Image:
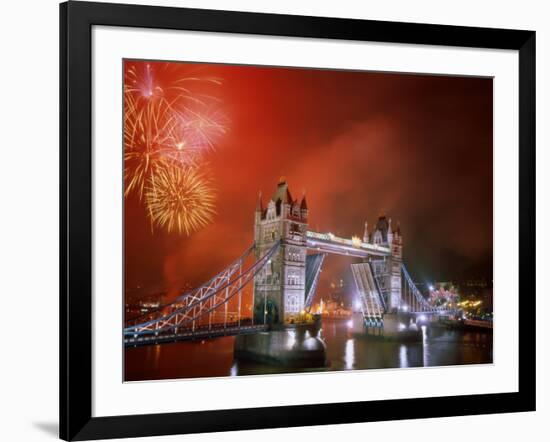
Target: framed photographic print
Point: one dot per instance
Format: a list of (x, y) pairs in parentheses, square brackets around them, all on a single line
[(272, 220)]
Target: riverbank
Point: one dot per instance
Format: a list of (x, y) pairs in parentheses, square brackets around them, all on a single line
[(466, 324)]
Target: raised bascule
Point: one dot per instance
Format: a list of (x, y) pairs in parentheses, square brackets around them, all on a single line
[(288, 260)]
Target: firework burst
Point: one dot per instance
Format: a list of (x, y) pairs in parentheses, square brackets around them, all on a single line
[(146, 134), (180, 200), (191, 135), (202, 129), (168, 129), (164, 125), (139, 79), (153, 81), (156, 136)]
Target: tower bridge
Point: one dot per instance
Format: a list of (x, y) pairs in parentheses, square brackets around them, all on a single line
[(288, 258), (280, 290)]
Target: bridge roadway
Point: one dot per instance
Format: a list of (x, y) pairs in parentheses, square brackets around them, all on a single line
[(330, 243), (202, 332)]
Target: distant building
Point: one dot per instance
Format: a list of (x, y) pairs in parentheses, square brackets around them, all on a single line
[(478, 289)]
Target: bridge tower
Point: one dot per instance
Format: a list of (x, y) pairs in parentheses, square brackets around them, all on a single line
[(279, 288), (388, 270), (394, 263)]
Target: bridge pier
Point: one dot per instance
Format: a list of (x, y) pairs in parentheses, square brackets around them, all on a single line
[(298, 346), (395, 326)]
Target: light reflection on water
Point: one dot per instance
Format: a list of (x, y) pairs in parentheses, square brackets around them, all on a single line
[(344, 351), (403, 361), (350, 354), (425, 346), (291, 339)]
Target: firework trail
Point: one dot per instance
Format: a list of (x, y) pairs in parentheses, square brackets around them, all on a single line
[(181, 200), (139, 79), (147, 82), (145, 132)]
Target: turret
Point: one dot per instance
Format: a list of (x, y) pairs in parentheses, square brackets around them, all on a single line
[(397, 238), (283, 198), (380, 234), (366, 232), (390, 233), (259, 208), (303, 207)]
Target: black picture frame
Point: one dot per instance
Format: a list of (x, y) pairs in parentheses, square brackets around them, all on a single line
[(76, 21)]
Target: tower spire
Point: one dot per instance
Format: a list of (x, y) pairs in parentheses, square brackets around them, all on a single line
[(259, 204), (303, 204), (366, 232)]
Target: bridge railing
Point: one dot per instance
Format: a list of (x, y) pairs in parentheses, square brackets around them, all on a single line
[(205, 304), (422, 303), (197, 293)]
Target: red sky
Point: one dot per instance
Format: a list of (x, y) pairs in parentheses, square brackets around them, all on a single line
[(414, 147)]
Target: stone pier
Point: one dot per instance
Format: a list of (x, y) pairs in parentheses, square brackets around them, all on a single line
[(297, 346), (396, 327)]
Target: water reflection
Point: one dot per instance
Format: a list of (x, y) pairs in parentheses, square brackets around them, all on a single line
[(349, 354), (344, 351), (425, 346), (403, 361), (291, 339)]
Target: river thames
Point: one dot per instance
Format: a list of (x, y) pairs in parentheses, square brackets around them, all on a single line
[(344, 351)]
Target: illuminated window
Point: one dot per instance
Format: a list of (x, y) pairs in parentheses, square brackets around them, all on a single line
[(292, 279)]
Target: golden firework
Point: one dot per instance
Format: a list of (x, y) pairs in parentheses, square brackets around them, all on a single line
[(180, 199), (146, 131)]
